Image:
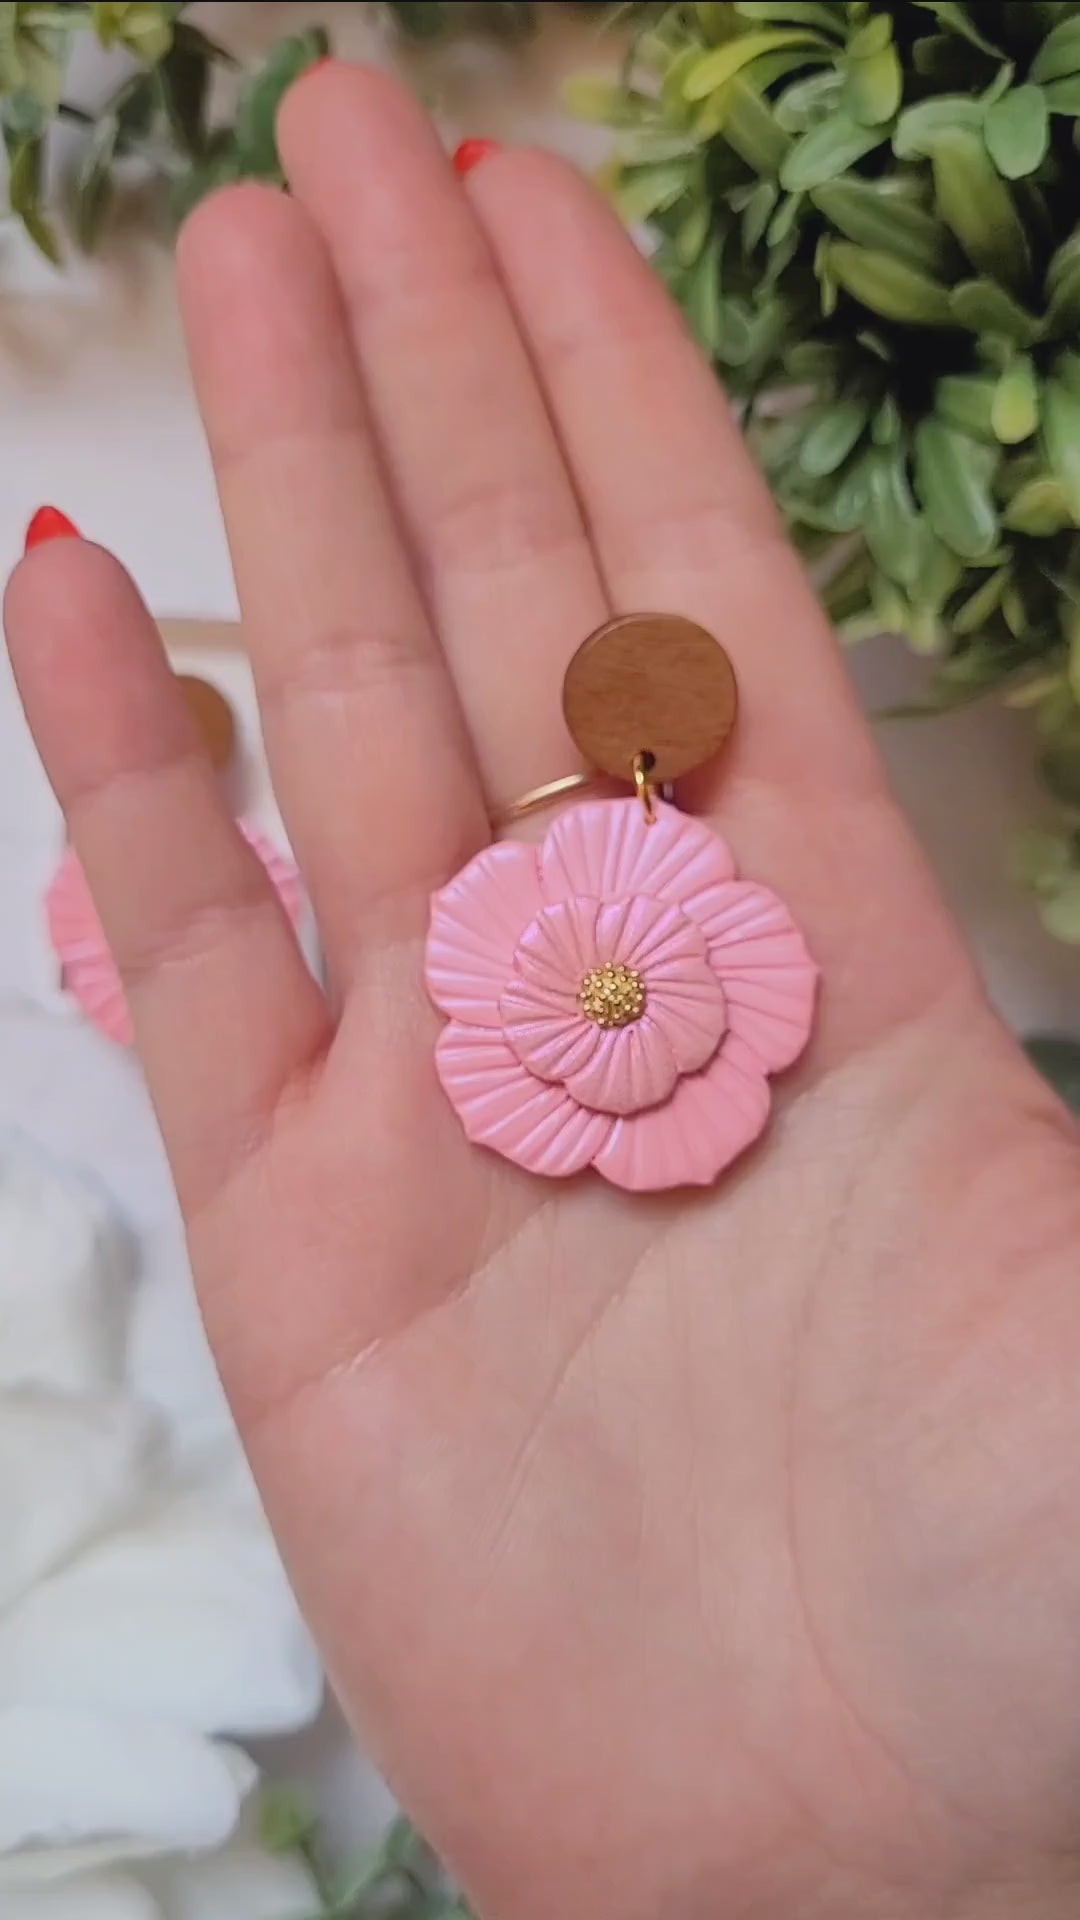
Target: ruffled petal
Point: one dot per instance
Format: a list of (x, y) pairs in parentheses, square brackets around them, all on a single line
[(240, 1881), (82, 1896), (88, 970), (607, 847), (547, 1029), (65, 1269), (652, 935), (77, 1789), (502, 1106), (476, 923), (196, 1572), (630, 1068), (688, 1005), (71, 1465), (710, 1119), (768, 976), (558, 947)]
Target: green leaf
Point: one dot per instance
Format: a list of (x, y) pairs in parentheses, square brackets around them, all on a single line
[(141, 26), (734, 331), (888, 286), (203, 177), (887, 425), (799, 13), (1017, 132), (1061, 438), (645, 191), (720, 64), (286, 1821), (827, 150), (919, 128), (966, 401), (693, 230), (716, 20), (984, 307), (751, 127), (1060, 914), (757, 213), (952, 482), (1054, 1056), (832, 437), (1059, 54), (872, 215), (1063, 96), (957, 19), (1015, 411), (977, 609), (999, 85), (703, 298), (262, 93), (183, 79), (1063, 288), (808, 100), (24, 195), (1067, 368), (589, 96), (874, 81), (30, 55), (93, 180), (975, 202), (1039, 508), (847, 508), (896, 534)]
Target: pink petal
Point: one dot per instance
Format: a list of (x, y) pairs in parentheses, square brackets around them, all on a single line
[(688, 1005), (652, 935), (629, 1068), (768, 977), (685, 998), (284, 873), (502, 1106), (476, 923), (710, 1119), (558, 947), (88, 970), (607, 847), (547, 1029)]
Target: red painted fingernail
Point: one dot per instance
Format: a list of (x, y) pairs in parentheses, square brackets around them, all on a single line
[(48, 523), (470, 153)]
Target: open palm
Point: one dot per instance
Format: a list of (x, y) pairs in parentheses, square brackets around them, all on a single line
[(686, 1556)]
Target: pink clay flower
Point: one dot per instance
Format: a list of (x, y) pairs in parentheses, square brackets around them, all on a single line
[(616, 998)]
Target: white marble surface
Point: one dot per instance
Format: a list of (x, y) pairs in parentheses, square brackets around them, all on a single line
[(99, 418)]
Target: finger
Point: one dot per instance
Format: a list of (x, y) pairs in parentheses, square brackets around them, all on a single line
[(226, 1014), (359, 714), (464, 432), (682, 521)]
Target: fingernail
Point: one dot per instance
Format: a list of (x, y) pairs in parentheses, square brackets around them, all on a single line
[(48, 523), (470, 153)]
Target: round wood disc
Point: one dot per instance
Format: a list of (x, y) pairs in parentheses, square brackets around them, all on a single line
[(649, 683), (213, 716)]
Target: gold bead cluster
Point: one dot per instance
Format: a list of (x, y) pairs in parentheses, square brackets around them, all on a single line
[(612, 995)]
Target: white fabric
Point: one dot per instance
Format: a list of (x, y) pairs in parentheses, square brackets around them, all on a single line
[(144, 1613)]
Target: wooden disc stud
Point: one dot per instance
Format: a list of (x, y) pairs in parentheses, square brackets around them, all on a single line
[(213, 716), (649, 684)]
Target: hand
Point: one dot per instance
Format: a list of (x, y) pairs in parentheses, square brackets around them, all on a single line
[(677, 1557)]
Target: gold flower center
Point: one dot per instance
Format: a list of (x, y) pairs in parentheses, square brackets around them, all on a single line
[(612, 995)]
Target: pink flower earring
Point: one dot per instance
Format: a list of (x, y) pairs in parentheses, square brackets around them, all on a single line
[(616, 997)]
